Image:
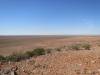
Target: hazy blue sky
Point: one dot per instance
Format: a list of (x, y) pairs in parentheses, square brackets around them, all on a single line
[(49, 17)]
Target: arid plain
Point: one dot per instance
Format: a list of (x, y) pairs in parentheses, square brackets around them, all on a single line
[(62, 60)]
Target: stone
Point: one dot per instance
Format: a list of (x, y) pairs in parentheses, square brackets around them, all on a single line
[(12, 73), (14, 68), (6, 71)]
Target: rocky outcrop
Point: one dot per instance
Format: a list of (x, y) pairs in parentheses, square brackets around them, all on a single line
[(8, 71)]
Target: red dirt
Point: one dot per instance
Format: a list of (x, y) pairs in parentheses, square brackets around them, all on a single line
[(67, 62)]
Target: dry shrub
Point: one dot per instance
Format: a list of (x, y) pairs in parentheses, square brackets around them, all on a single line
[(75, 47), (86, 46), (83, 46)]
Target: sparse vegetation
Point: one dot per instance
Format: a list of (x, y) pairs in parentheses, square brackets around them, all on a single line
[(75, 53), (38, 52), (29, 53), (75, 47), (48, 51), (86, 46), (58, 49), (16, 57), (83, 46), (2, 58), (22, 56)]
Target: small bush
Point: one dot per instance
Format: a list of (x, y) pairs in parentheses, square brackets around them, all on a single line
[(83, 46), (38, 52), (29, 53), (86, 46), (22, 56), (2, 58), (58, 49), (48, 51), (10, 58), (75, 47), (16, 57), (26, 55)]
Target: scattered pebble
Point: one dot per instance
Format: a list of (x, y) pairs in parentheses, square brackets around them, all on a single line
[(98, 70), (92, 61)]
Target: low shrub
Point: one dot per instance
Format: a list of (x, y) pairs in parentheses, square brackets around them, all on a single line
[(29, 53), (75, 47), (58, 49), (38, 52), (86, 46), (2, 58), (48, 51), (16, 57), (82, 46)]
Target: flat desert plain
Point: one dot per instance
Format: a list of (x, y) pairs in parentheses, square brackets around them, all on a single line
[(12, 44), (65, 61)]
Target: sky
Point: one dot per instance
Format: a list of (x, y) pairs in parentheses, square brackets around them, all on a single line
[(49, 17)]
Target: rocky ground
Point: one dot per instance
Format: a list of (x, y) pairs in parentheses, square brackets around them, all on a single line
[(64, 62), (59, 63)]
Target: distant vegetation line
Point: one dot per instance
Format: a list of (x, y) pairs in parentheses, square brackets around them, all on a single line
[(16, 57)]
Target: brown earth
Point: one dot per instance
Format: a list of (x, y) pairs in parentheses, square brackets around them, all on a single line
[(64, 62), (11, 44)]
